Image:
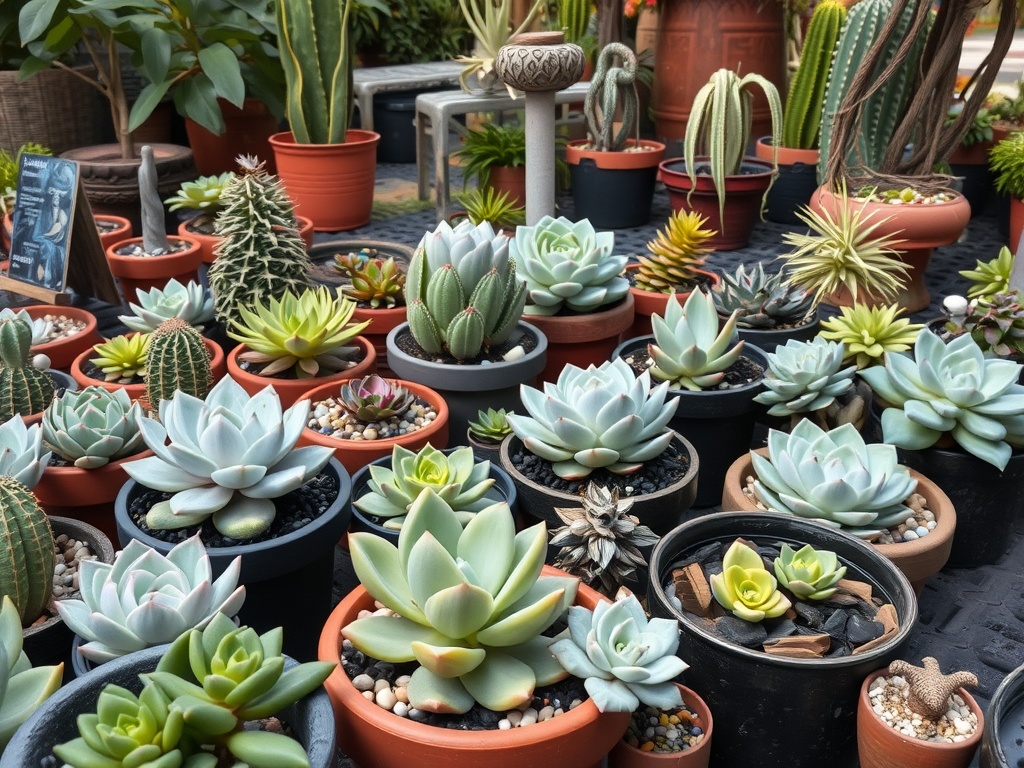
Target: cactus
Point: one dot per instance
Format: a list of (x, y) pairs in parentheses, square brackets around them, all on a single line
[(612, 87), (573, 17), (26, 557), (177, 360), (23, 389), (801, 121)]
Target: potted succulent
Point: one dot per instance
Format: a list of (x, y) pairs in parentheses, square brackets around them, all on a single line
[(994, 321), (487, 204), (603, 423), (60, 333), (955, 416), (485, 434), (314, 42), (119, 363), (613, 172), (495, 157), (242, 496), (464, 301), (713, 171), (25, 390), (868, 333), (998, 748), (575, 292), (191, 303)]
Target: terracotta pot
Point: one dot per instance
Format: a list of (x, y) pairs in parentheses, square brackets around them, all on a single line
[(614, 190), (113, 236), (510, 179), (140, 273), (292, 390), (918, 559), (582, 340), (356, 454), (62, 352), (375, 738), (744, 194), (6, 231), (626, 756), (921, 227), (136, 391), (879, 745), (207, 243), (1016, 222), (246, 132), (332, 184), (647, 303)]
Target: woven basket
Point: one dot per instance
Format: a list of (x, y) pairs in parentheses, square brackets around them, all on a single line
[(53, 108)]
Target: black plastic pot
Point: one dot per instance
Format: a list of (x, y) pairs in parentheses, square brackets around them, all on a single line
[(288, 580), (977, 185), (719, 423), (311, 719), (767, 339), (482, 449), (792, 189), (779, 712), (1002, 742), (612, 198)]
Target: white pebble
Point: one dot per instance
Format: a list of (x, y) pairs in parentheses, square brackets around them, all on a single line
[(910, 536), (921, 531), (380, 685), (363, 682), (401, 709), (504, 725), (386, 699), (962, 726), (514, 717)]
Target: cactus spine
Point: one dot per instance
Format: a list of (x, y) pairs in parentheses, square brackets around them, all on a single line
[(26, 553), (611, 88), (801, 122), (23, 389), (177, 360)]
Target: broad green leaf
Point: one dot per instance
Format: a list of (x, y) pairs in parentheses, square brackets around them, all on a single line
[(156, 54), (220, 64), (35, 18), (260, 749)]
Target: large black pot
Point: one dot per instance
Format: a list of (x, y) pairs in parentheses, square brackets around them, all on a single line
[(311, 719), (779, 712), (719, 423), (288, 580), (1001, 742), (768, 339)]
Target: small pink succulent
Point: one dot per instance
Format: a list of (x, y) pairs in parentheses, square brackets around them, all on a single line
[(372, 398)]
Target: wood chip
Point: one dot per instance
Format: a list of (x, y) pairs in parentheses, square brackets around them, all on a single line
[(799, 646), (856, 588), (888, 618), (692, 589)]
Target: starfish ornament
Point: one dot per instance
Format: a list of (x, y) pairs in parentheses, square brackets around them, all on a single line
[(929, 688)]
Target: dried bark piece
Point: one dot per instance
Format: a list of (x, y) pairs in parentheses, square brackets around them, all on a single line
[(693, 590), (930, 689), (800, 646), (858, 589)]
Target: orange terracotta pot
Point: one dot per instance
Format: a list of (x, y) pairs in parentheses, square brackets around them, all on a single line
[(332, 184), (246, 132), (1016, 222), (879, 745), (140, 273), (626, 756), (356, 454), (109, 237), (207, 243), (292, 390), (375, 738), (647, 303), (6, 231), (918, 559), (62, 352), (85, 494), (582, 340), (510, 179)]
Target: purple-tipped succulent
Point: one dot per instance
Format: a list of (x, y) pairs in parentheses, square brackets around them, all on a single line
[(372, 398)]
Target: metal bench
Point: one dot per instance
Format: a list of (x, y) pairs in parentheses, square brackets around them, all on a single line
[(369, 81), (434, 111)]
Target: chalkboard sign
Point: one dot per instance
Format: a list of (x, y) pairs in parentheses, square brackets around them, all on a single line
[(47, 193)]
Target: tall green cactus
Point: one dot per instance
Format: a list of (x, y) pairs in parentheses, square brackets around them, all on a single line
[(177, 360), (573, 17), (613, 87), (26, 550), (23, 389), (801, 121)]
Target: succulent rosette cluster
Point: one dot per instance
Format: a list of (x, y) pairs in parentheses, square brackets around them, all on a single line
[(745, 587)]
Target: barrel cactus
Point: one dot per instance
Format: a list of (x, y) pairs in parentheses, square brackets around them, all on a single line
[(23, 389), (26, 555), (177, 360)]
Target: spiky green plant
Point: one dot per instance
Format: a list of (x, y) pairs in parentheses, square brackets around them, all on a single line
[(612, 93), (262, 254), (177, 360), (1006, 160), (990, 277), (375, 281), (489, 146), (26, 554), (24, 389), (868, 333), (489, 21), (677, 252), (488, 204), (122, 357)]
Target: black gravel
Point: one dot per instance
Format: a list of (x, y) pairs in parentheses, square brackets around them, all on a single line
[(94, 372)]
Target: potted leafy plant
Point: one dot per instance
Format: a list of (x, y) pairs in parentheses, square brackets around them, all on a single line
[(495, 157), (613, 171), (1007, 163), (719, 127)]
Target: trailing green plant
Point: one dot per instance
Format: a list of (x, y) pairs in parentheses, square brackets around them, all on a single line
[(745, 587), (492, 145), (951, 389), (1006, 160), (613, 88), (22, 687), (191, 303), (461, 292), (26, 556), (262, 254), (491, 425), (719, 127), (471, 606), (379, 283), (460, 481), (228, 458), (995, 322), (305, 334), (569, 266), (22, 456), (487, 204), (990, 277), (801, 120), (91, 427), (177, 361), (809, 573), (689, 350), (9, 172), (762, 300), (806, 378), (372, 398), (489, 21), (868, 332), (598, 417), (122, 357), (677, 252), (24, 389)]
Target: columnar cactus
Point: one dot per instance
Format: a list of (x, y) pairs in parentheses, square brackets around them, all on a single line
[(23, 389), (26, 554), (177, 360)]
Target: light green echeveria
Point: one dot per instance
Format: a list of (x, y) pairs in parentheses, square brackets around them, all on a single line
[(599, 417), (471, 606), (568, 264), (689, 351), (833, 478), (22, 687), (805, 376), (951, 388), (809, 573), (457, 477), (192, 303), (229, 456), (93, 426), (21, 452), (623, 657), (745, 586)]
